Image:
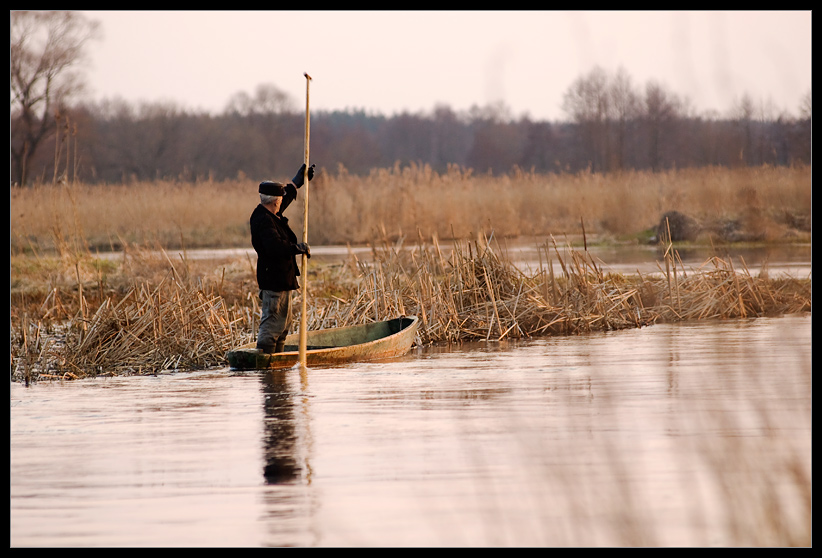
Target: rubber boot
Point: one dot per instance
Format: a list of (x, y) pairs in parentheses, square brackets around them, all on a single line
[(280, 347), (266, 349)]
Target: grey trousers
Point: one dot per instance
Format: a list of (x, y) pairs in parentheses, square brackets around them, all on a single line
[(276, 320)]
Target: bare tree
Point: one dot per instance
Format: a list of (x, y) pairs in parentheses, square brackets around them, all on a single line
[(661, 110), (805, 128), (587, 102), (743, 114), (625, 105), (268, 98), (805, 111), (45, 52), (450, 138), (497, 141)]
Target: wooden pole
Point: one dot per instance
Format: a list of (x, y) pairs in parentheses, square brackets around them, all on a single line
[(303, 272)]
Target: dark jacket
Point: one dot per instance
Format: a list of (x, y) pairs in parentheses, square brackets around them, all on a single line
[(275, 244)]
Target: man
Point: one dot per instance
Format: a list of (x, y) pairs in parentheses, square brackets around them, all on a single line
[(277, 247)]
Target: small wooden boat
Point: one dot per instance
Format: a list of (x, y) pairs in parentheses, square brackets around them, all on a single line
[(379, 340)]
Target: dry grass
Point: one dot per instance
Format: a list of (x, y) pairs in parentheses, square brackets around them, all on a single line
[(70, 319), (474, 293), (772, 202), (76, 313)]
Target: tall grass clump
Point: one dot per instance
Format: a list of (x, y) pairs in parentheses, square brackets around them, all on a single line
[(474, 293), (143, 314)]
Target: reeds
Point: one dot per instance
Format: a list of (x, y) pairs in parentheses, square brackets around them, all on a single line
[(157, 328), (170, 326), (177, 319), (475, 293), (768, 202)]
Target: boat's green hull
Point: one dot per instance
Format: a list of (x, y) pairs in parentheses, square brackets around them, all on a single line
[(380, 340)]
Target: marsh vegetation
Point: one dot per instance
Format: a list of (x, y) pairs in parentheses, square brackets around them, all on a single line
[(76, 313)]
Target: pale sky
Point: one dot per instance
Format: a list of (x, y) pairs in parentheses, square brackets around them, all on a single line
[(392, 61)]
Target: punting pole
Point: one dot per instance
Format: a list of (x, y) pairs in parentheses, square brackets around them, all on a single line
[(303, 274)]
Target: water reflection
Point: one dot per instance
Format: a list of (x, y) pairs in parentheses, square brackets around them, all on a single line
[(289, 505), (280, 437)]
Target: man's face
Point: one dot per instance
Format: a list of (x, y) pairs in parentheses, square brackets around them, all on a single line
[(278, 201)]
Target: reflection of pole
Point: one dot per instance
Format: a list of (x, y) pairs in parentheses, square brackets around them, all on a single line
[(304, 309), (306, 415)]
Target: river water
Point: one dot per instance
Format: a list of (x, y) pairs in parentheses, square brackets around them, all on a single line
[(529, 254), (672, 435)]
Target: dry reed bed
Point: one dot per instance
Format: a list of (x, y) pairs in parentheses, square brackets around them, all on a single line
[(475, 294), (169, 326), (767, 201), (472, 293)]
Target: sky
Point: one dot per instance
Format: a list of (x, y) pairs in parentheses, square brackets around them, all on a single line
[(389, 62)]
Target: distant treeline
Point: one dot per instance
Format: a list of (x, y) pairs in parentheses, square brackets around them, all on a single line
[(611, 125), (115, 142)]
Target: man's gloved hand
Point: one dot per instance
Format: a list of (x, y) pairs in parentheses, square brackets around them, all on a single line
[(298, 178), (303, 248)]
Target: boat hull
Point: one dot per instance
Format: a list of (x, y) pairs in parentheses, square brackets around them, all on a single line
[(376, 341)]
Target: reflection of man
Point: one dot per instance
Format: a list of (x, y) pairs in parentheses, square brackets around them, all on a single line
[(276, 246), (280, 439)]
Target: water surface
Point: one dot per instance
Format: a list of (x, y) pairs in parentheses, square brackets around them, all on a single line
[(686, 435), (529, 253)]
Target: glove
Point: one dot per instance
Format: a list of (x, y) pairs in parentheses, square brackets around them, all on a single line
[(298, 178), (290, 196), (303, 248)]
